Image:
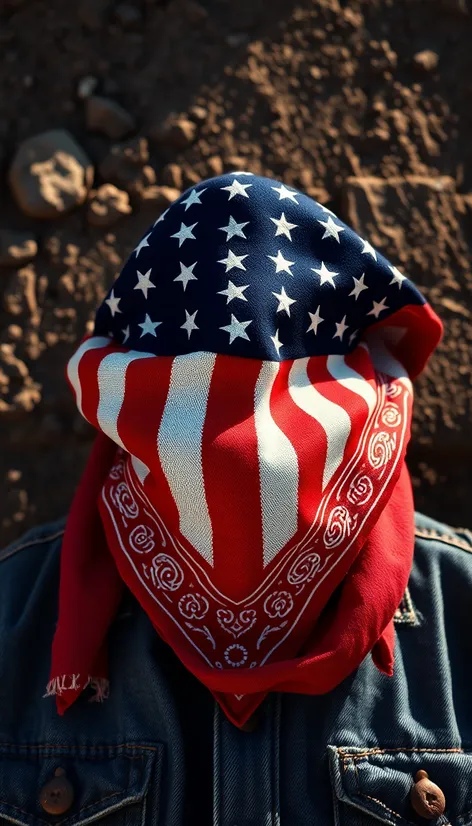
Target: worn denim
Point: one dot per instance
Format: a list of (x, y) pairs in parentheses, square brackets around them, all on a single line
[(159, 751)]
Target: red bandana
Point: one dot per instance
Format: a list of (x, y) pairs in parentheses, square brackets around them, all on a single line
[(259, 510)]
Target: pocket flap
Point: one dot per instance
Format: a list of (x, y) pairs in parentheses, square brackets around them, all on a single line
[(379, 781), (103, 779)]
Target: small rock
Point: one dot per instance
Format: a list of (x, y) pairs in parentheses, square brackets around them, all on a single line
[(86, 86), (16, 248), (13, 475), (17, 390), (128, 16), (172, 175), (176, 132), (159, 196), (124, 162), (107, 206), (190, 176), (215, 165), (198, 113), (14, 332), (108, 117), (426, 60), (19, 297), (50, 174)]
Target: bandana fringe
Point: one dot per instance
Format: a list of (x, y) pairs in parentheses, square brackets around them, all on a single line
[(71, 682)]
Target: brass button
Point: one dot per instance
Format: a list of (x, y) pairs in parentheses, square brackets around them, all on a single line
[(426, 798), (57, 795)]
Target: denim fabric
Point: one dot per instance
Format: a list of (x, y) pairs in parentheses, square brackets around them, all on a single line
[(159, 751)]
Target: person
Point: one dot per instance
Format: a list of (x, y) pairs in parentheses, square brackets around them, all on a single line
[(241, 621)]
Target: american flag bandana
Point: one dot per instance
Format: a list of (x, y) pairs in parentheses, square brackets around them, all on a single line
[(250, 373)]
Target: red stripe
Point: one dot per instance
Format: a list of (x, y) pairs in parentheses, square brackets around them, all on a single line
[(354, 405), (231, 473), (307, 437), (146, 388)]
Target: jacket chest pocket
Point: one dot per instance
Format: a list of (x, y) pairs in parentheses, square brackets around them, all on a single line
[(64, 786), (376, 784)]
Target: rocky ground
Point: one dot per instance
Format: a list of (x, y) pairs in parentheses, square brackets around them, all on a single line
[(109, 110)]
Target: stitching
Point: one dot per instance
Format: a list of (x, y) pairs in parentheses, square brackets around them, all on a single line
[(395, 814), (7, 553), (448, 539), (370, 752), (405, 613)]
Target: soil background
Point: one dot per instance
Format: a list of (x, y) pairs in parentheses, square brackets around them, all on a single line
[(366, 105)]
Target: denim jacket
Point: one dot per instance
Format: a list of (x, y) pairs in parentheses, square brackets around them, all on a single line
[(159, 751)]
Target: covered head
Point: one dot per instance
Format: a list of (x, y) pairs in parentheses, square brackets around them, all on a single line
[(252, 364)]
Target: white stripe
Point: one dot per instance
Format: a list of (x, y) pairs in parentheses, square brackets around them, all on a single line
[(352, 380), (332, 417), (111, 389), (73, 365), (179, 443), (278, 469), (141, 470)]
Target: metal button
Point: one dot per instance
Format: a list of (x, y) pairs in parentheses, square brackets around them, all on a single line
[(57, 795), (426, 798)]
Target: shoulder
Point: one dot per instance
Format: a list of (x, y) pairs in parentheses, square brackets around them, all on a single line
[(432, 535), (29, 568), (41, 537)]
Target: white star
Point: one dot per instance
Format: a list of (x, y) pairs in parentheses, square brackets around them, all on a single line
[(332, 229), (241, 172), (398, 278), (315, 320), (281, 264), (326, 276), (161, 217), (144, 282), (234, 228), (358, 286), (186, 274), (184, 233), (189, 324), (237, 329), (149, 326), (283, 226), (284, 301), (193, 198), (143, 243), (378, 307), (233, 261), (234, 292), (113, 303), (368, 249), (276, 341), (353, 336), (126, 332), (237, 188), (285, 193), (341, 328)]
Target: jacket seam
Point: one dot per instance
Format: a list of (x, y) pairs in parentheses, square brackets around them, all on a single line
[(379, 802), (370, 752), (8, 552), (448, 539)]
